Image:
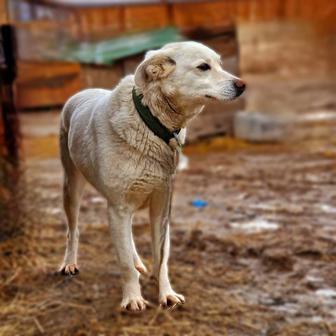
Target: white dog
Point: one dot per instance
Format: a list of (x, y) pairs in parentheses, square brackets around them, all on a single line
[(125, 143)]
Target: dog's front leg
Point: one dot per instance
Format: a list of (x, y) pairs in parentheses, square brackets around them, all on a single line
[(160, 218), (120, 220)]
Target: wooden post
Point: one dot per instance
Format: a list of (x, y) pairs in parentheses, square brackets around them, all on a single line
[(9, 136), (7, 78)]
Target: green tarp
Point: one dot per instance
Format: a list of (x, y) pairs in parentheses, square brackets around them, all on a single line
[(108, 51)]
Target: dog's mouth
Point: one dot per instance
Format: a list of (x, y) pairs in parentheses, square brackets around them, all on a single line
[(209, 97)]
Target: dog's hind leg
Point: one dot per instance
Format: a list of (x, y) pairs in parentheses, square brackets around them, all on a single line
[(160, 217), (73, 185)]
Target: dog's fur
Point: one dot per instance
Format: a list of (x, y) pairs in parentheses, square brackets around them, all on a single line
[(104, 141)]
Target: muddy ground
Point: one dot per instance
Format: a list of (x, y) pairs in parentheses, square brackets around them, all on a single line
[(258, 260)]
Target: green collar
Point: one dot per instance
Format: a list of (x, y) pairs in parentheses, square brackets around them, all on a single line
[(153, 123)]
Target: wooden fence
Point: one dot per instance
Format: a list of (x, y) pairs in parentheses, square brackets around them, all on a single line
[(107, 21), (51, 25), (91, 22)]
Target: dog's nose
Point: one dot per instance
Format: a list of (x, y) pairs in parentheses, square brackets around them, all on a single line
[(239, 86)]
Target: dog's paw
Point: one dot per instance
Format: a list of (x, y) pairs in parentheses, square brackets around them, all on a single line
[(171, 299), (134, 304), (69, 269)]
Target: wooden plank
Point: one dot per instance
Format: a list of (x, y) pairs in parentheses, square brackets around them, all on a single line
[(105, 77), (46, 95), (292, 9), (44, 84), (94, 23), (206, 15), (145, 17), (326, 16), (242, 10), (30, 71)]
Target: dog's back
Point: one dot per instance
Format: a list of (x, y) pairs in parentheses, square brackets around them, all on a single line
[(81, 103), (82, 117)]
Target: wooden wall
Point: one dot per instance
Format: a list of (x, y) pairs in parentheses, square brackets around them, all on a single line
[(104, 22), (195, 19), (44, 84), (191, 15)]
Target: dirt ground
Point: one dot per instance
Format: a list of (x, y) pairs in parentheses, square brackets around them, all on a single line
[(258, 260)]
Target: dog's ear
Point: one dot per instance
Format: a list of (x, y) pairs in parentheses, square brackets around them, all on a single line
[(153, 68)]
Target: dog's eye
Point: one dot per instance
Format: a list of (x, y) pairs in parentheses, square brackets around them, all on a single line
[(204, 67)]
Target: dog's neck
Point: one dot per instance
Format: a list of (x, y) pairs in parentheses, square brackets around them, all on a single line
[(166, 108)]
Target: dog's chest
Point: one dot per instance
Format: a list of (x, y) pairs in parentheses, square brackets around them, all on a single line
[(147, 177), (152, 165), (143, 184), (147, 162)]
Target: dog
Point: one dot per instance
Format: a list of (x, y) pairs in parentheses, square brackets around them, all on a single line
[(125, 142)]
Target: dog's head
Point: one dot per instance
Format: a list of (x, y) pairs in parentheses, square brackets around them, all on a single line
[(189, 71)]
